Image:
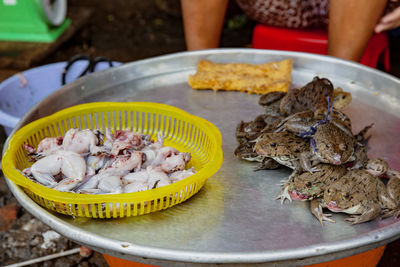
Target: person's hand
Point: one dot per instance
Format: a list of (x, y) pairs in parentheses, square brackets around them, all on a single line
[(389, 21)]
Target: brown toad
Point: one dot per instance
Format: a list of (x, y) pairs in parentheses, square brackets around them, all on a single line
[(313, 96), (286, 149), (311, 186), (363, 195), (331, 137)]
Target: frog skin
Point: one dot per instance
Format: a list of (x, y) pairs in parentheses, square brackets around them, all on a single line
[(312, 96), (268, 164), (248, 132), (380, 168), (360, 157), (334, 142), (332, 145), (393, 189), (246, 151), (284, 147), (271, 98), (311, 186), (307, 186), (302, 121), (341, 97), (363, 195), (271, 102)]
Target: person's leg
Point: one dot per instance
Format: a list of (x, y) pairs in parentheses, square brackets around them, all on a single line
[(351, 25), (203, 21)]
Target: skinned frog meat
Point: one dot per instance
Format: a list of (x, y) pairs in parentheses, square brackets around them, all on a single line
[(363, 195)]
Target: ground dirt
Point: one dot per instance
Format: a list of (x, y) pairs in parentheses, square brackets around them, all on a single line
[(122, 31)]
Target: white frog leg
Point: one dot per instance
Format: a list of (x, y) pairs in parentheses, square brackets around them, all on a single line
[(91, 184), (110, 184), (157, 178), (160, 139), (108, 141), (136, 177), (81, 141), (174, 163), (95, 163), (74, 165), (45, 168), (48, 146), (150, 153), (164, 153), (124, 164), (136, 187), (74, 169), (118, 146), (180, 175)]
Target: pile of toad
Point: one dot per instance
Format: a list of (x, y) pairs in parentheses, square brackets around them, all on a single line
[(305, 130)]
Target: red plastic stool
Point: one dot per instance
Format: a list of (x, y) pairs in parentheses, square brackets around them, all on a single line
[(316, 41)]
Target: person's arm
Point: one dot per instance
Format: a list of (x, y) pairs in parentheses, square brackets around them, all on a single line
[(203, 21), (351, 25)]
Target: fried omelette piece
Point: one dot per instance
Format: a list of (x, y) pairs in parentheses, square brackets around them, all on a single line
[(251, 78)]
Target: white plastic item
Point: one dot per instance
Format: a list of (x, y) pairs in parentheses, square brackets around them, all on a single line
[(23, 90)]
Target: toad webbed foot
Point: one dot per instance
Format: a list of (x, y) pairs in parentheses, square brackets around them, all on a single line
[(316, 210), (284, 194), (391, 213), (307, 161), (370, 214)]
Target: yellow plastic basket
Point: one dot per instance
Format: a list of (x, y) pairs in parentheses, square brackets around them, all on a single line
[(185, 132)]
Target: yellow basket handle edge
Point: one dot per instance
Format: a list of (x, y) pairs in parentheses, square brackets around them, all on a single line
[(9, 171)]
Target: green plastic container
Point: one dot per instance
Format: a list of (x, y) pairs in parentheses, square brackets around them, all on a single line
[(31, 20)]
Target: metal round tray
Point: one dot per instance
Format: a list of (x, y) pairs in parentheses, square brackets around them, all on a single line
[(234, 218)]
